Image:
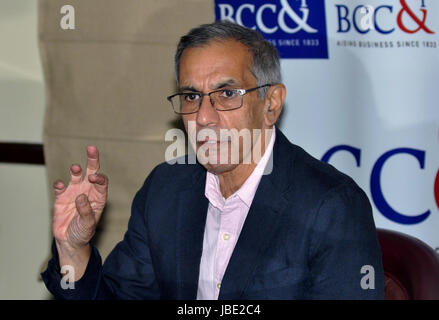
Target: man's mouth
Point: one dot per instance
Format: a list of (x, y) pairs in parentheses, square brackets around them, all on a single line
[(209, 142), (212, 142)]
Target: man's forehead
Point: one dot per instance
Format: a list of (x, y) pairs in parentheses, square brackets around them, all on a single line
[(219, 63)]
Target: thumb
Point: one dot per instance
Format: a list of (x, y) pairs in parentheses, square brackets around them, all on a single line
[(84, 209), (82, 227)]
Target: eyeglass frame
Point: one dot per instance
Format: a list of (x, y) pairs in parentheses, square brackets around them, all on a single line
[(241, 92)]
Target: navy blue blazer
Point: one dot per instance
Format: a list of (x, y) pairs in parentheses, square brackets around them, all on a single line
[(308, 233)]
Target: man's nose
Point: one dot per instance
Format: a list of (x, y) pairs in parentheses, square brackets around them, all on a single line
[(207, 115)]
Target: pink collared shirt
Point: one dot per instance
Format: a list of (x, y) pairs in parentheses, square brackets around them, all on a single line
[(225, 218)]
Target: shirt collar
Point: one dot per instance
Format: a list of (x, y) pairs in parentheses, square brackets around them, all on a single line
[(247, 191)]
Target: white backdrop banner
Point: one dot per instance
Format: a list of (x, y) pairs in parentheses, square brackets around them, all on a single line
[(362, 83)]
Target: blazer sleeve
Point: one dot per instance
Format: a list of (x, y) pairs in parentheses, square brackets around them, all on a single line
[(128, 271), (345, 257)]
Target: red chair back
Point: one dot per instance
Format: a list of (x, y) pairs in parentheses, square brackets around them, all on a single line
[(411, 267)]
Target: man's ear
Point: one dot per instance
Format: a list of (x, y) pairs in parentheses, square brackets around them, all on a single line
[(274, 101)]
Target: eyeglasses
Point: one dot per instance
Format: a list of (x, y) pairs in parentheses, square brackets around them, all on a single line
[(221, 100)]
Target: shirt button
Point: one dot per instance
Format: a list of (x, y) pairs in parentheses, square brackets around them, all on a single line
[(226, 236), (218, 285)]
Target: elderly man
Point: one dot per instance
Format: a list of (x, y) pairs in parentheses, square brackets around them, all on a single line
[(224, 229)]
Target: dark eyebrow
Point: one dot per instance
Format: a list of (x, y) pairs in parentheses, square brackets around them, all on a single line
[(230, 82), (226, 83), (187, 88)]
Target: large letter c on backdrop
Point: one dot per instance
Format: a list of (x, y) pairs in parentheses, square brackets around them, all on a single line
[(377, 194), (354, 151)]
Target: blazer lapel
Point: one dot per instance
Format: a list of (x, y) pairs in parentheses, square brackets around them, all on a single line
[(255, 236), (260, 225), (191, 221)]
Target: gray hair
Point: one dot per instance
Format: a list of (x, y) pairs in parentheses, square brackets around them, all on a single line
[(266, 65)]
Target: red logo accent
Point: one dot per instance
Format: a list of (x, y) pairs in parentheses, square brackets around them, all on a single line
[(436, 189), (420, 23)]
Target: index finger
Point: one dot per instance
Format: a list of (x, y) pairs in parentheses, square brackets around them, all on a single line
[(92, 160)]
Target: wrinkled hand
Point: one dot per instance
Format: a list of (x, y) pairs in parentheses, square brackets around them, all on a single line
[(78, 207)]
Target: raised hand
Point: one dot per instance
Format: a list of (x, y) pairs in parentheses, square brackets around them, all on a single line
[(78, 207)]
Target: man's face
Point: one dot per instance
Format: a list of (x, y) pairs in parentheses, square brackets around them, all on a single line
[(221, 65)]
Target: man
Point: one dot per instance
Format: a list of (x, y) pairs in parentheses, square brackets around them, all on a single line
[(224, 229)]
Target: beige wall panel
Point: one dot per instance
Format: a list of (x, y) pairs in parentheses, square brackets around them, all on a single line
[(109, 90), (122, 20)]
